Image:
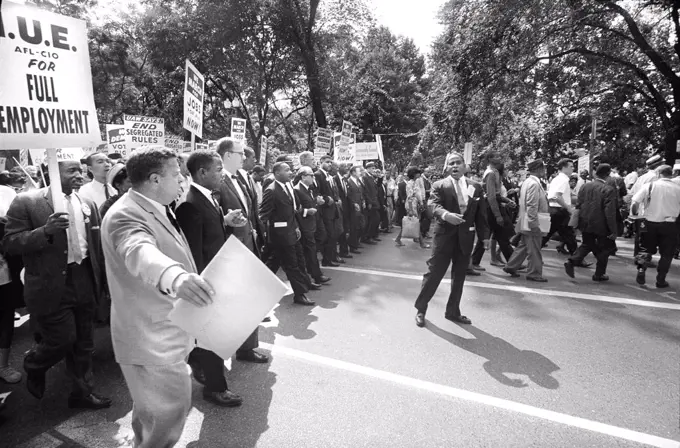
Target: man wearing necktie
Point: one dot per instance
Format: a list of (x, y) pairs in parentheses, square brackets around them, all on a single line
[(329, 211), (99, 190), (202, 221), (279, 213), (64, 280), (234, 198), (458, 207)]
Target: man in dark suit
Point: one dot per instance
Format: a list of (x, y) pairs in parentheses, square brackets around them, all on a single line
[(458, 207), (278, 211), (307, 221), (355, 208), (202, 221), (372, 210), (329, 211), (340, 180), (64, 280), (234, 196), (597, 203)]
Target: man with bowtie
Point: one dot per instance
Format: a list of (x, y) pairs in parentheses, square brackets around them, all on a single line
[(459, 208), (64, 280)]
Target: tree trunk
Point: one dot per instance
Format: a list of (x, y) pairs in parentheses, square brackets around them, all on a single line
[(315, 91)]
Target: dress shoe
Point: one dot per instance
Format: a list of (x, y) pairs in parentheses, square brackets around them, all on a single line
[(537, 279), (329, 264), (377, 240), (477, 267), (314, 287), (472, 273), (346, 256), (35, 383), (662, 284), (458, 319), (420, 319), (354, 251), (512, 273), (569, 268), (227, 399), (252, 356), (323, 279), (91, 401), (303, 300), (497, 263), (600, 278), (340, 261), (640, 277)]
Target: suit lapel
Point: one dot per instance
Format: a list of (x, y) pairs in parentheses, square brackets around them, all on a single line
[(163, 220), (50, 201), (231, 187), (452, 193)]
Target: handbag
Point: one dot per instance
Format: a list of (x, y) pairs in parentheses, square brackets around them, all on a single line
[(410, 227)]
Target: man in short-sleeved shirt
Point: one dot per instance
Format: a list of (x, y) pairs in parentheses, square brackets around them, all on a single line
[(559, 197)]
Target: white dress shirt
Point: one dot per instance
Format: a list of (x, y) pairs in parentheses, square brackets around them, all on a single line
[(560, 184), (664, 200), (289, 189), (95, 191), (241, 194), (79, 218), (207, 193)]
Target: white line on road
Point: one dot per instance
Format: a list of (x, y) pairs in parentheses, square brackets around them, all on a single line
[(577, 422), (523, 289)]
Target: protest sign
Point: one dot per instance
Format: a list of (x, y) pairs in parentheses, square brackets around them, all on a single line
[(187, 147), (23, 157), (263, 150), (212, 145), (115, 136), (39, 156), (366, 151), (46, 94), (467, 153), (245, 291), (193, 100), (3, 162), (381, 156), (296, 161), (201, 146), (346, 134), (584, 163), (143, 131), (238, 129), (322, 145), (174, 143)]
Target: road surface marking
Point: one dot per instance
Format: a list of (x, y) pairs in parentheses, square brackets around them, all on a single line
[(523, 289), (577, 422)]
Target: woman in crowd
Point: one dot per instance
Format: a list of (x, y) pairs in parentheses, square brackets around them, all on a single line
[(414, 204)]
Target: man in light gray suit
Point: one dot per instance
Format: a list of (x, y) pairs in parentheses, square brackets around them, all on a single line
[(532, 201), (149, 266)]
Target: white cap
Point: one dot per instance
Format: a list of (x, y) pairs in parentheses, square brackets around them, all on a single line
[(654, 160)]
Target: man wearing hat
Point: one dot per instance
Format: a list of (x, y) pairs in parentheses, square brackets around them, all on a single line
[(117, 177), (661, 207), (532, 201), (650, 176)]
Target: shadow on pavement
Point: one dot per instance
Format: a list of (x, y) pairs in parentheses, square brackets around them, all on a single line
[(503, 357)]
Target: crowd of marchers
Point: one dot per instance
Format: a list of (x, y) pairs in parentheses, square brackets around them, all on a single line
[(137, 233)]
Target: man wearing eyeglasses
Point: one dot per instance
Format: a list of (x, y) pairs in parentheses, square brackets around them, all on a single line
[(234, 196)]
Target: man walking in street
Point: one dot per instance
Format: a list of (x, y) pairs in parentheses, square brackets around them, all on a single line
[(661, 201), (559, 196), (532, 201), (99, 190), (458, 207), (64, 281), (597, 203)]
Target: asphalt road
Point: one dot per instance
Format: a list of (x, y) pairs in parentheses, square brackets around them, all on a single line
[(569, 363)]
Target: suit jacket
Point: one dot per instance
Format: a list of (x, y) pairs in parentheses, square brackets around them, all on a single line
[(354, 197), (342, 195), (325, 190), (382, 193), (45, 261), (279, 216), (370, 191), (533, 200), (230, 200), (443, 199), (140, 244), (306, 199), (203, 227), (597, 203)]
